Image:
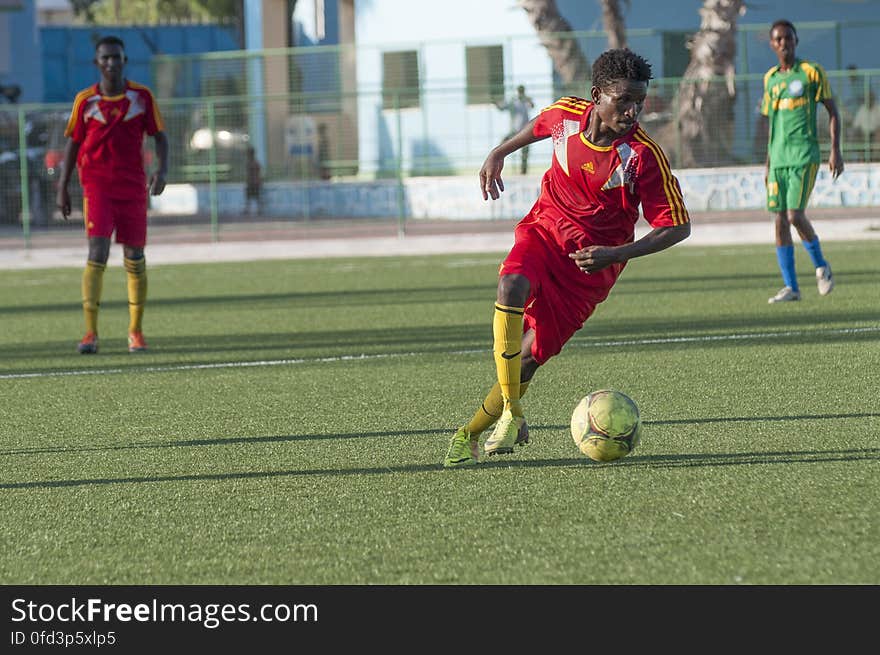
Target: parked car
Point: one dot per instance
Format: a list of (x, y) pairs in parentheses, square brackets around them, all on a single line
[(11, 172), (53, 126), (230, 149), (37, 132)]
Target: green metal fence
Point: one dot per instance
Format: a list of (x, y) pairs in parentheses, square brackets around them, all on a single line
[(333, 130)]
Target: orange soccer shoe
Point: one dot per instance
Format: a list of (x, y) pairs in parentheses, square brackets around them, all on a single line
[(136, 342), (88, 345)]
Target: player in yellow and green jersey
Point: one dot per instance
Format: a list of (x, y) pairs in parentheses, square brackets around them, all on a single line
[(792, 91)]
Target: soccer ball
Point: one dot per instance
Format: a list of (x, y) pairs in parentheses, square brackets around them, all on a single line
[(606, 426)]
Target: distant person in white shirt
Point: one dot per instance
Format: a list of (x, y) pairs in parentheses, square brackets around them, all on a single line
[(519, 108), (867, 118)]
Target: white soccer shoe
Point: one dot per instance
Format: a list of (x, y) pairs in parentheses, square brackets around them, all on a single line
[(785, 294), (824, 280)]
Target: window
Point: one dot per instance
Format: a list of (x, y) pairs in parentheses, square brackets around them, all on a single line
[(400, 79), (485, 74)]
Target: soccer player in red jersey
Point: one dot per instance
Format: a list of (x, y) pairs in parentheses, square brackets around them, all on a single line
[(105, 140), (571, 247)]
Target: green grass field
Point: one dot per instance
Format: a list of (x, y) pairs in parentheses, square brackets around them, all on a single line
[(288, 424)]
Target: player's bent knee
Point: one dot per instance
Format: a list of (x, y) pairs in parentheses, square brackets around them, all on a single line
[(513, 290)]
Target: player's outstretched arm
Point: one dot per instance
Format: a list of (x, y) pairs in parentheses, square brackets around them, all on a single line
[(491, 183)]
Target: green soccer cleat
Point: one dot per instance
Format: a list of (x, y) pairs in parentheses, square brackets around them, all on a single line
[(505, 435), (463, 450)]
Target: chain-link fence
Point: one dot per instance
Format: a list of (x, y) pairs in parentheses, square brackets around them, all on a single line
[(377, 118)]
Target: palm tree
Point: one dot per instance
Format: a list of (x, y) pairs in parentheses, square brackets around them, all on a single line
[(554, 32), (707, 91), (612, 21)]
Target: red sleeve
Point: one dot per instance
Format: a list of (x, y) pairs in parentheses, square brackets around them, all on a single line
[(658, 189), (76, 127), (550, 120), (154, 122)]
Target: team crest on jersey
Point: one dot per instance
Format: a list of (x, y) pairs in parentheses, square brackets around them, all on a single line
[(93, 111), (625, 173), (796, 88)]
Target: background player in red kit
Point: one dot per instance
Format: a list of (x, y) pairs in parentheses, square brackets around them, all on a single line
[(575, 241), (105, 139)]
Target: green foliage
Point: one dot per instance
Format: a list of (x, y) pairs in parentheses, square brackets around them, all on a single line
[(84, 8), (149, 12), (288, 425)]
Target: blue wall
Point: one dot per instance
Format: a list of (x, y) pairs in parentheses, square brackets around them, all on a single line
[(857, 45), (68, 52), (19, 39)]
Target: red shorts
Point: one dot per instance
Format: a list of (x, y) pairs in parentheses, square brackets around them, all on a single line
[(127, 217), (562, 296)]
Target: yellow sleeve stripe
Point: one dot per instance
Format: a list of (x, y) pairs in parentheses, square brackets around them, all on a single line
[(812, 73), (157, 115), (816, 74), (74, 113), (765, 101), (572, 100), (670, 189), (570, 104)]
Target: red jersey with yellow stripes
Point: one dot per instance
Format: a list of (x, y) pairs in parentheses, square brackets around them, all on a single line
[(110, 131), (591, 194)]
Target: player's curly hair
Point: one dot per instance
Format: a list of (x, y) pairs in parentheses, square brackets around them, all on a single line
[(620, 64), (783, 23)]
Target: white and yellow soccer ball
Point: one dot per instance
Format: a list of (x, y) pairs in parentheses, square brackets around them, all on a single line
[(606, 425)]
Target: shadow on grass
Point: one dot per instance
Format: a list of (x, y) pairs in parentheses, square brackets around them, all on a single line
[(645, 461), (654, 461), (709, 283), (300, 300), (452, 339), (232, 441)]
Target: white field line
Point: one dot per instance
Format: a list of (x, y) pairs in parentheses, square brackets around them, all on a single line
[(363, 357)]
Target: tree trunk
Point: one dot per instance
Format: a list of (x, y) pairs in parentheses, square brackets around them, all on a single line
[(612, 21), (705, 109), (568, 59)]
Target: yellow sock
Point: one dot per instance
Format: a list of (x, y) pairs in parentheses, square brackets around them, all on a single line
[(92, 284), (136, 274), (507, 329), (491, 409)]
